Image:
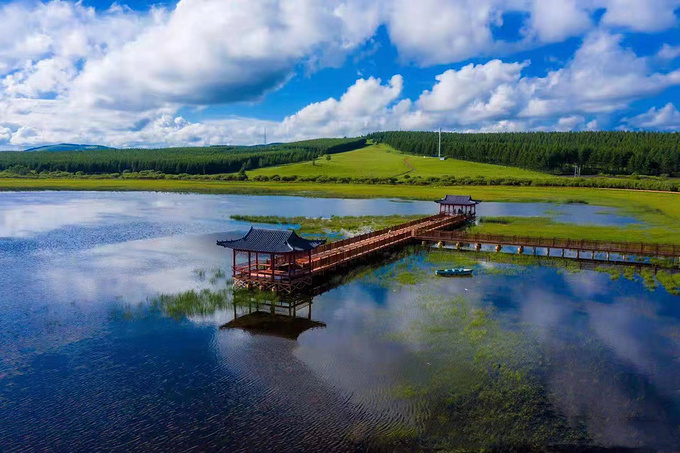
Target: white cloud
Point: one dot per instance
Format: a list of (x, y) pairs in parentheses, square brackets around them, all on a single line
[(364, 107), (475, 91), (436, 31), (445, 31), (5, 134), (641, 15), (556, 20), (602, 77), (663, 119), (668, 52), (211, 51), (120, 77)]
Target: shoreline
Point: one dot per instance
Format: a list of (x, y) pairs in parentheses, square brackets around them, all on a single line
[(660, 212)]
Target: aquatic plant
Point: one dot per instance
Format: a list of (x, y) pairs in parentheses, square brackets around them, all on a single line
[(192, 303), (651, 278), (334, 225), (483, 381)]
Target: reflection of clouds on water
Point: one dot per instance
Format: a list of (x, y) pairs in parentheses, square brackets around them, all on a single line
[(544, 311), (67, 297), (612, 365), (611, 360), (27, 220), (626, 333), (292, 394), (133, 270), (354, 355), (588, 285)]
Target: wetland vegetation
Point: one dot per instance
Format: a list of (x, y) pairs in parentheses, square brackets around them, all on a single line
[(482, 383), (529, 354)]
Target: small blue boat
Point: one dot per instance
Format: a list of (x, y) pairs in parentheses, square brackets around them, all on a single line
[(455, 272)]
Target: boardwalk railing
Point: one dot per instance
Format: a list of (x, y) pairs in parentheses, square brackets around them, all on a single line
[(336, 253), (373, 234), (625, 248)]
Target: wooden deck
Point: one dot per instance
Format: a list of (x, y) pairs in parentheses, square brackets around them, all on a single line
[(621, 248), (339, 253), (329, 257)]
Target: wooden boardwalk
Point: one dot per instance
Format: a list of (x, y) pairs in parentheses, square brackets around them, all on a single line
[(336, 254), (620, 248)]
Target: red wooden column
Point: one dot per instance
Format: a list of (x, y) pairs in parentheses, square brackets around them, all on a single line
[(271, 264), (290, 264), (249, 270)]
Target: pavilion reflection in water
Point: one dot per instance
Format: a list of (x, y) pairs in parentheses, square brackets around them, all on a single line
[(284, 318)]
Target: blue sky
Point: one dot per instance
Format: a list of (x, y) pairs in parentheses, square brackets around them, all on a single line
[(196, 72)]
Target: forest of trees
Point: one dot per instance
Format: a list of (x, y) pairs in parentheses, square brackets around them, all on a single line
[(645, 153), (198, 161)]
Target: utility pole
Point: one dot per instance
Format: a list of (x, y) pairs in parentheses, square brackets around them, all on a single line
[(440, 143)]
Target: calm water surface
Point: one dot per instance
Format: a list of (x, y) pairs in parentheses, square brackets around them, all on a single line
[(89, 362)]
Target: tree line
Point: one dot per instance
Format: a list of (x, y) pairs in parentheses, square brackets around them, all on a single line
[(645, 153), (200, 160)]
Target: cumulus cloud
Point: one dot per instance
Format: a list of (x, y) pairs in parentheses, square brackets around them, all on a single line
[(602, 77), (444, 31), (364, 107), (436, 31), (556, 20), (643, 16), (120, 77), (211, 51), (475, 92), (664, 119)]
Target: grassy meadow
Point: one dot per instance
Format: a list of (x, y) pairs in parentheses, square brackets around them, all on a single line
[(545, 227), (382, 161), (659, 211)]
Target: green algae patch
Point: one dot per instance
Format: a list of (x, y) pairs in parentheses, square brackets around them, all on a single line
[(483, 382)]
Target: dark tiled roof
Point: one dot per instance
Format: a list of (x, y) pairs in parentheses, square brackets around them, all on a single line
[(460, 200), (271, 241)]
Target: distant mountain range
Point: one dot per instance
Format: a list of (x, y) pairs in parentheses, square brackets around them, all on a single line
[(67, 147)]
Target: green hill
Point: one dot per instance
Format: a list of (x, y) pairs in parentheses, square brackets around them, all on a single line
[(382, 161)]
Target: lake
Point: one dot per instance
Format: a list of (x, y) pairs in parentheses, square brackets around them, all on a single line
[(528, 351)]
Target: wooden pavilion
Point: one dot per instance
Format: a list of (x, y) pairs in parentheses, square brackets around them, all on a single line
[(458, 204), (277, 260)]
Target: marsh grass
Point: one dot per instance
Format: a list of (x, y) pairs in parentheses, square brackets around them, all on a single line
[(659, 211), (343, 225), (546, 227), (651, 279), (483, 381), (192, 303)]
